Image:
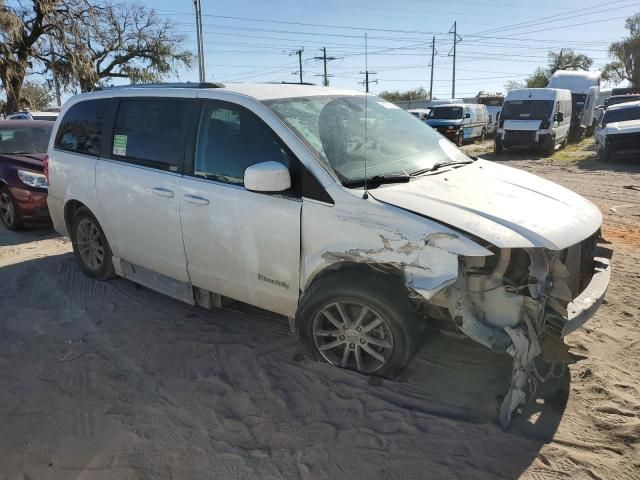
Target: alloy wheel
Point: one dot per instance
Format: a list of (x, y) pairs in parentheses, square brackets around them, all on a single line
[(7, 210), (90, 244), (353, 335)]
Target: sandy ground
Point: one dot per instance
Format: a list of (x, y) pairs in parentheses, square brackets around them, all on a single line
[(113, 381)]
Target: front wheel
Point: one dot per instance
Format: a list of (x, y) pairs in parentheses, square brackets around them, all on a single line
[(497, 146), (483, 134), (357, 321), (8, 212), (460, 139), (90, 246)]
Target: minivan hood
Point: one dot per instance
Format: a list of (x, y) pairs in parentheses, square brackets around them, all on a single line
[(507, 207), (628, 126), (441, 122)]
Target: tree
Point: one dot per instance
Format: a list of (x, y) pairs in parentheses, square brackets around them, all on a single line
[(21, 33), (513, 85), (626, 65), (417, 94), (538, 79), (35, 96), (112, 40), (567, 59)]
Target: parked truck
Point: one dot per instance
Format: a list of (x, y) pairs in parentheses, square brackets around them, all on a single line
[(493, 102), (585, 89)]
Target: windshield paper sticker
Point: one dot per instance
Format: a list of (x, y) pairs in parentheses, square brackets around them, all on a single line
[(120, 145), (388, 105)]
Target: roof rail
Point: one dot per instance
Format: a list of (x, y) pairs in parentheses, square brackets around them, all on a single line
[(167, 85), (292, 83)]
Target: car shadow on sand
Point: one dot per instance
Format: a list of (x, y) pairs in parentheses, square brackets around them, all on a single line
[(118, 377), (26, 235), (619, 166)]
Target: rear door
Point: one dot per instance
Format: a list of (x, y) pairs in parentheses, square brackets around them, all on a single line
[(138, 182), (241, 244)]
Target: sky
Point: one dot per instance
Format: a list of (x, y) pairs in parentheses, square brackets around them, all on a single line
[(501, 40)]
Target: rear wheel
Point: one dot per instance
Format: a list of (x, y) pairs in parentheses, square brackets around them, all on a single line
[(604, 155), (497, 146), (483, 134), (8, 212), (90, 246), (357, 321)]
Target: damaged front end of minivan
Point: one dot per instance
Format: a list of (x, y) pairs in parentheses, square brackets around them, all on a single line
[(519, 301)]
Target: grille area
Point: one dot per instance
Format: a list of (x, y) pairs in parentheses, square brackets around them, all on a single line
[(624, 142), (518, 137)]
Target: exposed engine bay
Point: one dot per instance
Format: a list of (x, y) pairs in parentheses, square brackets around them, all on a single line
[(522, 302)]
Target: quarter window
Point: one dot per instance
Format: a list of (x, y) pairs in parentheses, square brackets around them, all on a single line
[(230, 139), (151, 132), (81, 127)]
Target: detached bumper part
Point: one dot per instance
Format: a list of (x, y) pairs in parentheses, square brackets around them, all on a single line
[(585, 305), (526, 342)]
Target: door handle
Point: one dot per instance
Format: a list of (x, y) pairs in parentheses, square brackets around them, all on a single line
[(195, 199), (161, 192)]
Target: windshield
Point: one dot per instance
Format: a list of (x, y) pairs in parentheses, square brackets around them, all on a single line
[(527, 109), (621, 99), (621, 115), (24, 139), (446, 113), (396, 143)]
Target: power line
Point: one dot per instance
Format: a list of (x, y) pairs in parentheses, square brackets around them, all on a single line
[(549, 18)]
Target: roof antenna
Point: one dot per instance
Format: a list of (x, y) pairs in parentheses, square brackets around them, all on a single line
[(365, 195)]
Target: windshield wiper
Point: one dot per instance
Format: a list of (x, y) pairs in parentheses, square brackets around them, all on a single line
[(377, 180), (438, 166)]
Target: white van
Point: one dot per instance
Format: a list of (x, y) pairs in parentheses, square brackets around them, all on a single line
[(534, 118), (493, 102), (459, 122), (359, 231), (585, 90)]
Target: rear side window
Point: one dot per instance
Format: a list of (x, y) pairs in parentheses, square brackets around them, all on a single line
[(81, 128), (151, 132)]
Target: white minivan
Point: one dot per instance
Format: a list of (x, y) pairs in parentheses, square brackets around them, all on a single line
[(330, 207), (537, 118)]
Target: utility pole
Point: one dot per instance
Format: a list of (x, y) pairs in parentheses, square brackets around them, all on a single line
[(433, 57), (366, 81), (56, 84), (201, 70), (299, 53), (456, 39), (325, 59)]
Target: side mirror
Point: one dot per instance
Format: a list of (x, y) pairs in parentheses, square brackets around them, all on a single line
[(268, 177), (467, 115), (559, 117)]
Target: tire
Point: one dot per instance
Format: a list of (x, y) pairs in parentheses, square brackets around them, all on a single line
[(497, 146), (321, 322), (603, 153), (460, 139), (547, 146), (9, 215), (86, 233), (483, 134)]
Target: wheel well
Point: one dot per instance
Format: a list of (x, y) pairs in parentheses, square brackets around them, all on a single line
[(70, 209), (390, 273)]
